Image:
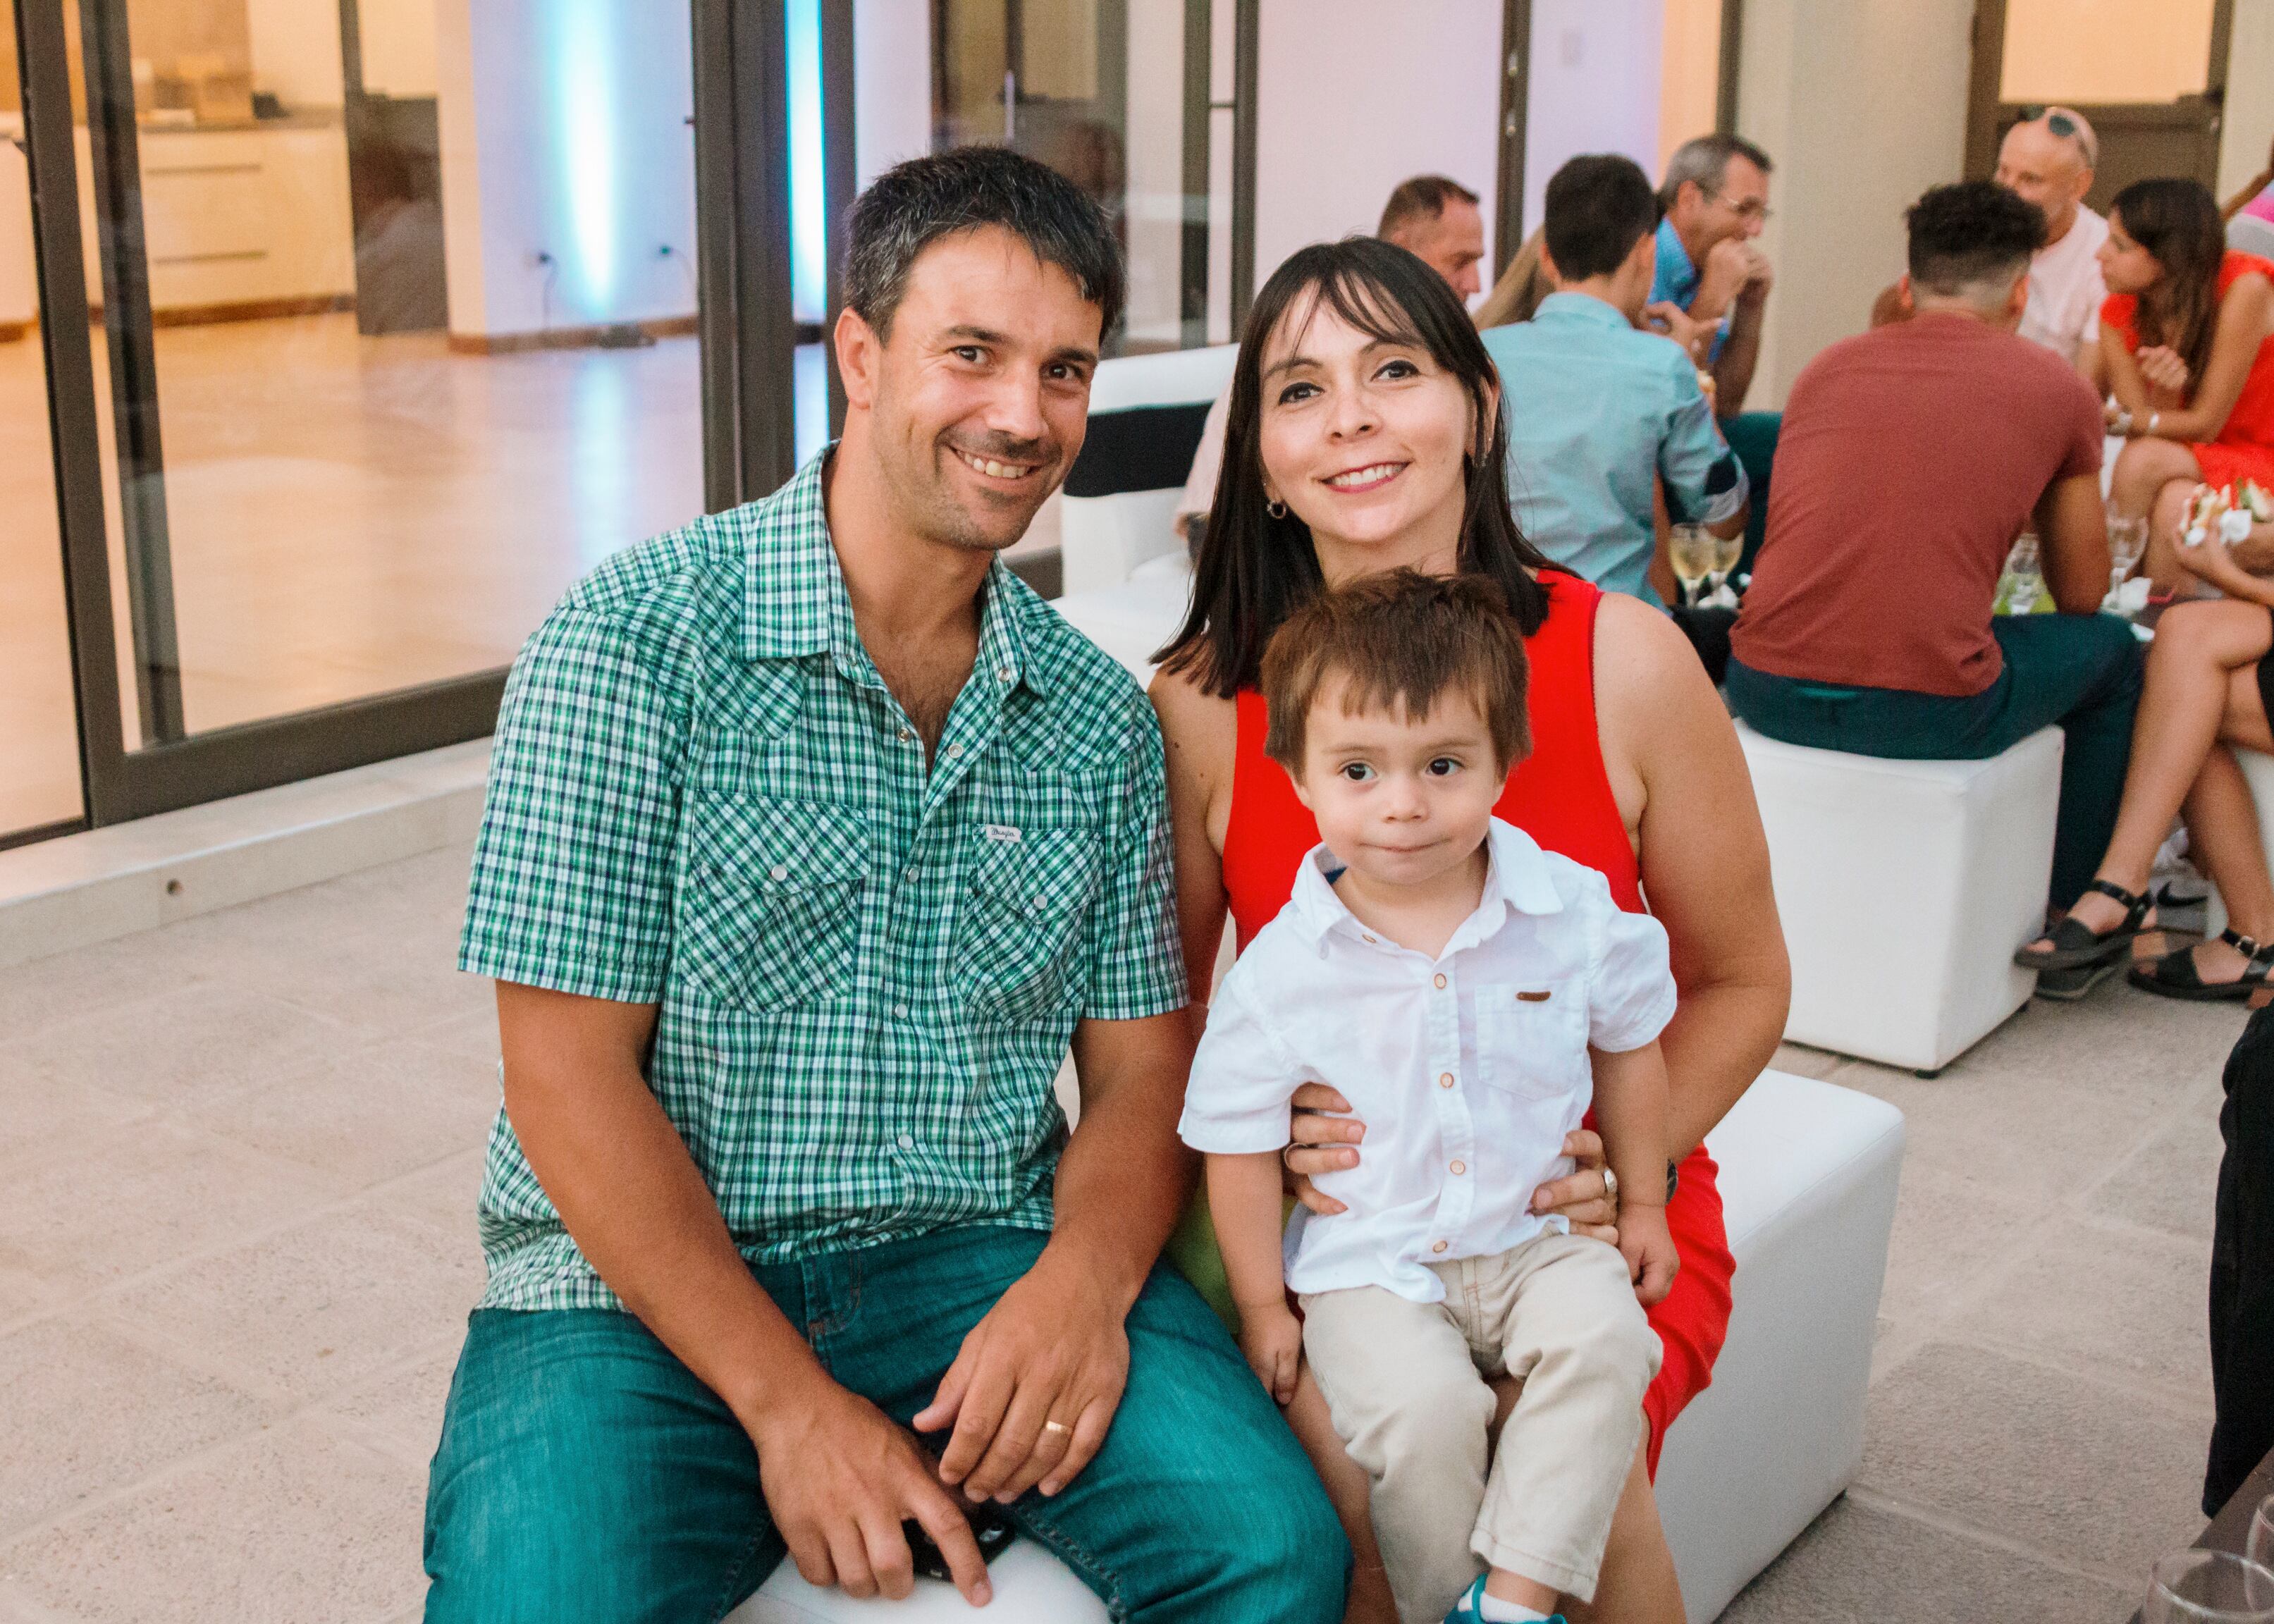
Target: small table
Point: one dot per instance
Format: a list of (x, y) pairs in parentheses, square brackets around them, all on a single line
[(2231, 1527)]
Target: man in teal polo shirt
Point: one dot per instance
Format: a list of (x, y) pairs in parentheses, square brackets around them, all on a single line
[(813, 839), (1715, 199)]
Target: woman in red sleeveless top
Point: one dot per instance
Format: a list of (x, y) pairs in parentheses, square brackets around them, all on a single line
[(2188, 340), (1364, 435)]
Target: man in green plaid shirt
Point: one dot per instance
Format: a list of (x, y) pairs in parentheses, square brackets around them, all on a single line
[(813, 840)]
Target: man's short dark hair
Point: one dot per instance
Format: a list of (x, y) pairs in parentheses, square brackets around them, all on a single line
[(913, 205), (1971, 235), (1600, 205), (1705, 160), (1425, 197), (1399, 641)]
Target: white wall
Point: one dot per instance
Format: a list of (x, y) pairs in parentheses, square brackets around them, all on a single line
[(1156, 148), (564, 132), (296, 51), (1853, 149), (398, 47), (1347, 107), (892, 84), (1595, 89), (2249, 126)]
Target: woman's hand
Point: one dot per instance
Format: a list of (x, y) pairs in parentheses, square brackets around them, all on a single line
[(2161, 365), (1582, 1195), (1323, 1139)]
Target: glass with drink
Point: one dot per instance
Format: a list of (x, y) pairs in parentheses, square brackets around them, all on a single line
[(2024, 579), (2209, 1587), (2127, 539), (1691, 548)]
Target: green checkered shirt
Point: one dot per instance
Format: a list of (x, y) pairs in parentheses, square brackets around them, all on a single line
[(703, 797)]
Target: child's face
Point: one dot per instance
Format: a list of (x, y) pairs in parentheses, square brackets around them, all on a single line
[(1400, 799)]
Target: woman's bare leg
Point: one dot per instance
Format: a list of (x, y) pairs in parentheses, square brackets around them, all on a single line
[(2141, 487), (1347, 1490), (1637, 1585), (2223, 831)]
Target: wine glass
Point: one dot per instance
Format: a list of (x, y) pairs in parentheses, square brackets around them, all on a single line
[(2025, 575), (2260, 1546), (2209, 1587), (2127, 539), (1726, 551), (1691, 550)]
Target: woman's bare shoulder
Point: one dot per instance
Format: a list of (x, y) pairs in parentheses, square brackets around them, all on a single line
[(1652, 693), (1199, 727)]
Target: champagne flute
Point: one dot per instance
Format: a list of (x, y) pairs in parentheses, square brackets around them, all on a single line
[(2209, 1587), (2025, 573), (1691, 547), (2127, 539), (1726, 551), (2260, 1546)]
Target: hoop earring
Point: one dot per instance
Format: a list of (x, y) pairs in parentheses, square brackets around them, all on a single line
[(1277, 510)]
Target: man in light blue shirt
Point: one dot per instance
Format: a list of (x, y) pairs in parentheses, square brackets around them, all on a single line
[(1715, 202), (1598, 412)]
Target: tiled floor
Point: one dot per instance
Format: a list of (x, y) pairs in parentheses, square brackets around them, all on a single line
[(237, 1159)]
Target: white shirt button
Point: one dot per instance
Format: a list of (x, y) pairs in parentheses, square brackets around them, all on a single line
[(779, 873), (908, 1141), (955, 749), (1459, 1168), (1004, 671), (1437, 1246), (1438, 980), (905, 735), (900, 1010)]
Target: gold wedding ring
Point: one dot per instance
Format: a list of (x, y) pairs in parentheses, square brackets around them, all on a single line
[(1610, 1186)]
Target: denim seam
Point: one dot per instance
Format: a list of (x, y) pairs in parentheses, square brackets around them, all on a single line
[(1074, 1555), (725, 1604)]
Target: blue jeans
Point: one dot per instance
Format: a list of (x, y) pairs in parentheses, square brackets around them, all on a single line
[(584, 1474), (2081, 672)]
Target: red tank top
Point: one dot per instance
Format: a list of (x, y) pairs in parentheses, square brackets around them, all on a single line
[(1560, 794)]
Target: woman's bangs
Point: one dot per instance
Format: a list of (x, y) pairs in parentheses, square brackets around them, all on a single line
[(1362, 303)]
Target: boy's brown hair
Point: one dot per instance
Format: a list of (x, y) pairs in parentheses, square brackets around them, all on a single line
[(1399, 640)]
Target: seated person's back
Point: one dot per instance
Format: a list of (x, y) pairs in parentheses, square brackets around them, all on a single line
[(1598, 410), (1911, 457)]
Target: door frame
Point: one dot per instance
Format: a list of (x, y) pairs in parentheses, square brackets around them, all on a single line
[(1986, 121), (744, 321)]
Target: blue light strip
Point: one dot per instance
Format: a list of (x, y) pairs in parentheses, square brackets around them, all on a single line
[(808, 218), (587, 110)]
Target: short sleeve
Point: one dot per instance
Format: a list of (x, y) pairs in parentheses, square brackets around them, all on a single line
[(572, 874), (1704, 482), (1130, 948), (2088, 432), (1630, 986), (1236, 1102)]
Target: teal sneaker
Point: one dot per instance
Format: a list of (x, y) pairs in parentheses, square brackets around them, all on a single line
[(1470, 1608)]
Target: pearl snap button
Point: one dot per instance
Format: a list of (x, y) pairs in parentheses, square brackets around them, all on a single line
[(900, 1010), (955, 749), (908, 1141), (906, 735), (780, 873), (1003, 672)]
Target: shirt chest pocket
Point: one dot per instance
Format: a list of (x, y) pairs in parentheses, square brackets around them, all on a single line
[(1018, 920), (1531, 1037), (771, 912)]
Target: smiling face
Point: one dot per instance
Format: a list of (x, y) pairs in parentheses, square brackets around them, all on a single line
[(1364, 439), (1403, 801), (974, 400), (2125, 266)]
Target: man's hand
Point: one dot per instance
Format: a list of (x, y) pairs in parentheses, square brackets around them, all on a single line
[(1647, 1245), (1760, 276), (1272, 1339), (1670, 319), (1729, 267), (1033, 1387), (840, 1478)]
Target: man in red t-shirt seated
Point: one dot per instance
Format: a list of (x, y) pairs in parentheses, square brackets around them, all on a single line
[(1911, 457)]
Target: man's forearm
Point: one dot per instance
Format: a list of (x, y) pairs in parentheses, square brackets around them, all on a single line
[(636, 1207), (1122, 1184)]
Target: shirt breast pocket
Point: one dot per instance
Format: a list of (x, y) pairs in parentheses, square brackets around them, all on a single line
[(1020, 921), (1531, 1037), (770, 914)]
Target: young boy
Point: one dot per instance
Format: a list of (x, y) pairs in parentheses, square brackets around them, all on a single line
[(1467, 993)]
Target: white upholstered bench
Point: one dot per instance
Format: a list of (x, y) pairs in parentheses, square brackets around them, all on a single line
[(1807, 1186), (1905, 886)]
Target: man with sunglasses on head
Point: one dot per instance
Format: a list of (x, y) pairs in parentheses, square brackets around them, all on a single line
[(2047, 160), (1715, 195)]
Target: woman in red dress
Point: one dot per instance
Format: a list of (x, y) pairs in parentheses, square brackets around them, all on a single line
[(2187, 339), (1364, 435)]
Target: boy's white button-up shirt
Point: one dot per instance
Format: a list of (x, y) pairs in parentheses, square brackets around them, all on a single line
[(1468, 1070)]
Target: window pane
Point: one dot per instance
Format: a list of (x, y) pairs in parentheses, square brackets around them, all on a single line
[(39, 730), (2097, 52), (421, 325)]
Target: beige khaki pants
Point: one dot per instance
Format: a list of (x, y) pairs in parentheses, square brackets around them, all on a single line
[(1405, 1384)]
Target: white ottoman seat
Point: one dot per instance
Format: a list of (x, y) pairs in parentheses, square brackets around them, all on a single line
[(2258, 772), (1905, 886)]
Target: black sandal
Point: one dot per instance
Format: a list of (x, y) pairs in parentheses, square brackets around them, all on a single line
[(2174, 976), (2074, 947)]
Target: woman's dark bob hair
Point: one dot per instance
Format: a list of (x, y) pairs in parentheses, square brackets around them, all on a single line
[(1254, 570)]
